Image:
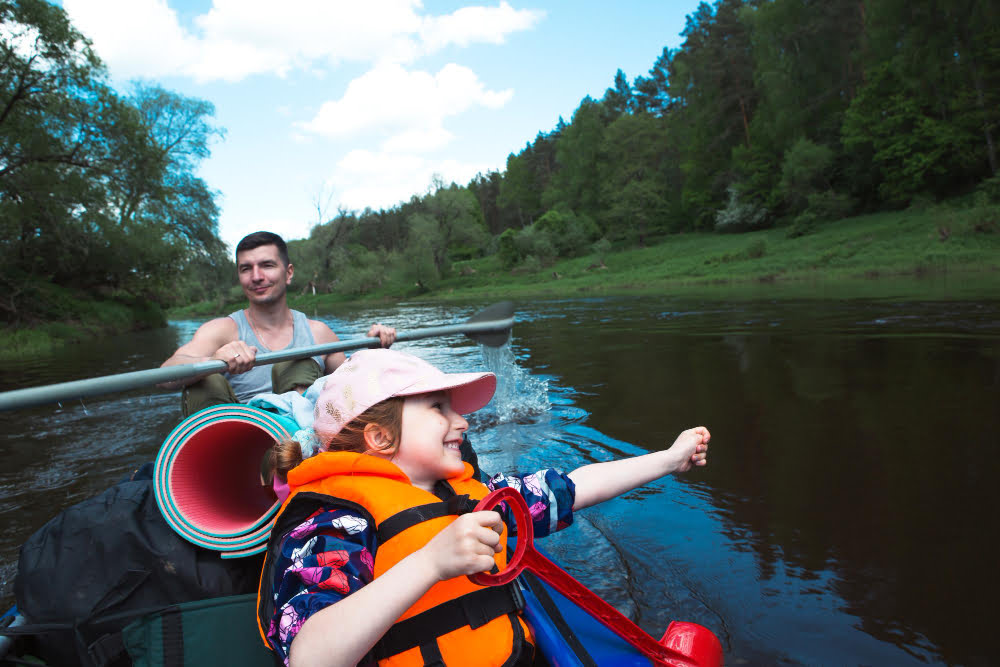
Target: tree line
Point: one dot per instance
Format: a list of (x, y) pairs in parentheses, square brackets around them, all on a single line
[(771, 112), (98, 192)]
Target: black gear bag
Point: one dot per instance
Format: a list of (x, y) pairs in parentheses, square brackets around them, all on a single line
[(106, 562)]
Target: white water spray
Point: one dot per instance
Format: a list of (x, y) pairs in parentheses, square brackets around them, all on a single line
[(520, 397)]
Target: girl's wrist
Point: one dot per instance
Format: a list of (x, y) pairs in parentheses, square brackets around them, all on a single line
[(671, 461), (423, 567)]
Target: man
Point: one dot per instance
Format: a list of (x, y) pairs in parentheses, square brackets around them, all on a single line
[(267, 324)]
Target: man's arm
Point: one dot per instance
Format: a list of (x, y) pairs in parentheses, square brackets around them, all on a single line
[(215, 339), (324, 334)]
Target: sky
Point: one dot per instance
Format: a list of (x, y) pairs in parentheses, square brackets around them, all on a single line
[(330, 104)]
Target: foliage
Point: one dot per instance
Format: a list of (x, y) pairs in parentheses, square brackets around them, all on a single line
[(805, 171), (988, 192), (739, 216), (97, 190), (507, 249), (770, 110)]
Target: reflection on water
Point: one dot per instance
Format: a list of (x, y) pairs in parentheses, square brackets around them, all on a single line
[(841, 519)]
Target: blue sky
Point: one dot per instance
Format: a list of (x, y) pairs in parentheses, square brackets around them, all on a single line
[(361, 103)]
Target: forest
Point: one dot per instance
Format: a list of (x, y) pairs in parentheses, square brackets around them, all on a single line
[(771, 113)]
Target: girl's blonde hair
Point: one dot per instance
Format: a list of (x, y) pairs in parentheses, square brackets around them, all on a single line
[(387, 415)]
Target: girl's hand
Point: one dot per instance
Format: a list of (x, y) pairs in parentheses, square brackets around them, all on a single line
[(466, 546), (691, 448)]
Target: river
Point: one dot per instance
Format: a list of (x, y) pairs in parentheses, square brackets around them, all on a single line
[(844, 514)]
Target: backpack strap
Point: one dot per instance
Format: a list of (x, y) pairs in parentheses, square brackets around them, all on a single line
[(107, 649)]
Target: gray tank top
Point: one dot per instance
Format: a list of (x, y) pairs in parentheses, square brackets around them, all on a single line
[(258, 379)]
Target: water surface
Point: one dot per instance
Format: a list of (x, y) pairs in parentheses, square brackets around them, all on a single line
[(843, 516)]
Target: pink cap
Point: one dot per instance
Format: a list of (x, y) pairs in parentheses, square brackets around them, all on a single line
[(371, 376)]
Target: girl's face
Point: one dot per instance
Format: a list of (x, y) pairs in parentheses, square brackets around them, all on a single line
[(429, 443)]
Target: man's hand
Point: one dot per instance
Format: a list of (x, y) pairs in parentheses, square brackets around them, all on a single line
[(387, 335), (239, 356)]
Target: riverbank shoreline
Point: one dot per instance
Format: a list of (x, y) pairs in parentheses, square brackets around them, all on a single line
[(911, 254), (937, 253), (88, 320)]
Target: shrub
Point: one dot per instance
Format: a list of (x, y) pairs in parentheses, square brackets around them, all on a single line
[(568, 233), (507, 249), (988, 192), (805, 223), (739, 217), (828, 205), (804, 172), (601, 248)]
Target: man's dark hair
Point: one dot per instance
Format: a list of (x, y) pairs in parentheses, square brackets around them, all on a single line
[(257, 239)]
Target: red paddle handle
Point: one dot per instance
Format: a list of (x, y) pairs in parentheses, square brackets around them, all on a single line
[(683, 645)]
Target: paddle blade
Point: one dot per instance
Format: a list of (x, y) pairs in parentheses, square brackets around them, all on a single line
[(498, 311)]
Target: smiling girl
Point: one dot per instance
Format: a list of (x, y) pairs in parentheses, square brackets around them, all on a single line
[(367, 558)]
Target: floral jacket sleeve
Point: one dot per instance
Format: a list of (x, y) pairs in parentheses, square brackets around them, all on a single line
[(330, 555)]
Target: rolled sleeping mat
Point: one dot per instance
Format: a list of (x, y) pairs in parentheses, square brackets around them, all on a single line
[(206, 478)]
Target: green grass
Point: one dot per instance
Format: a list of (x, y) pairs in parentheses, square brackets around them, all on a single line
[(854, 252), (872, 255), (80, 317)]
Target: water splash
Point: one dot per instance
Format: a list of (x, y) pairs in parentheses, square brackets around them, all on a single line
[(520, 397)]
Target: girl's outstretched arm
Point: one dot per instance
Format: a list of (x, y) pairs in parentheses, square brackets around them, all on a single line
[(343, 633), (598, 482)]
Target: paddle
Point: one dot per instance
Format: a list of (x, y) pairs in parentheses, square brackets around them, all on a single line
[(683, 645), (490, 327)]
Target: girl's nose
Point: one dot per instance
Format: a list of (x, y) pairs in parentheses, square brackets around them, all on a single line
[(458, 422)]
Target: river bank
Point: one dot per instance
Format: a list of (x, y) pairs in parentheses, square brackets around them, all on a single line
[(81, 318), (938, 252)]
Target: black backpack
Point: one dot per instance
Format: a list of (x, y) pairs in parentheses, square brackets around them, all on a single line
[(107, 562)]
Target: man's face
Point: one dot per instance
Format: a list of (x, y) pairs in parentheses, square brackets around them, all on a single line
[(262, 274)]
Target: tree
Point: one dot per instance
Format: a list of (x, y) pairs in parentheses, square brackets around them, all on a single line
[(619, 99), (460, 229), (711, 86), (652, 93), (577, 183), (805, 73), (640, 180), (97, 191), (927, 113)]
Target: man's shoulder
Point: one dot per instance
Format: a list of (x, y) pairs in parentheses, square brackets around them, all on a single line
[(321, 331), (221, 326)]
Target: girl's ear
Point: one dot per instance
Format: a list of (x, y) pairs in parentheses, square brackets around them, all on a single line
[(377, 441)]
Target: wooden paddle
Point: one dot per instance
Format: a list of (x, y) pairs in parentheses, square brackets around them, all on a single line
[(490, 327)]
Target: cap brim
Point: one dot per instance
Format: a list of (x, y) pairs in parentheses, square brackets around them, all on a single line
[(468, 391)]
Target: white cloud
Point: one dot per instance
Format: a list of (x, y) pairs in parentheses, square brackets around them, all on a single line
[(468, 25), (135, 37), (240, 38), (418, 141), (408, 107), (383, 179)]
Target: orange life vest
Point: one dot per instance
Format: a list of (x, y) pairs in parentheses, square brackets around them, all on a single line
[(456, 622)]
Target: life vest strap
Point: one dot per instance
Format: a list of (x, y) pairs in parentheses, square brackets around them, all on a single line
[(400, 521), (473, 609)]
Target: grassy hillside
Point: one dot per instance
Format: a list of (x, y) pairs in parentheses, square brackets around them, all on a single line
[(854, 253)]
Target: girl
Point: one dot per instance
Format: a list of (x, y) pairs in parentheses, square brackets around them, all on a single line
[(367, 558)]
